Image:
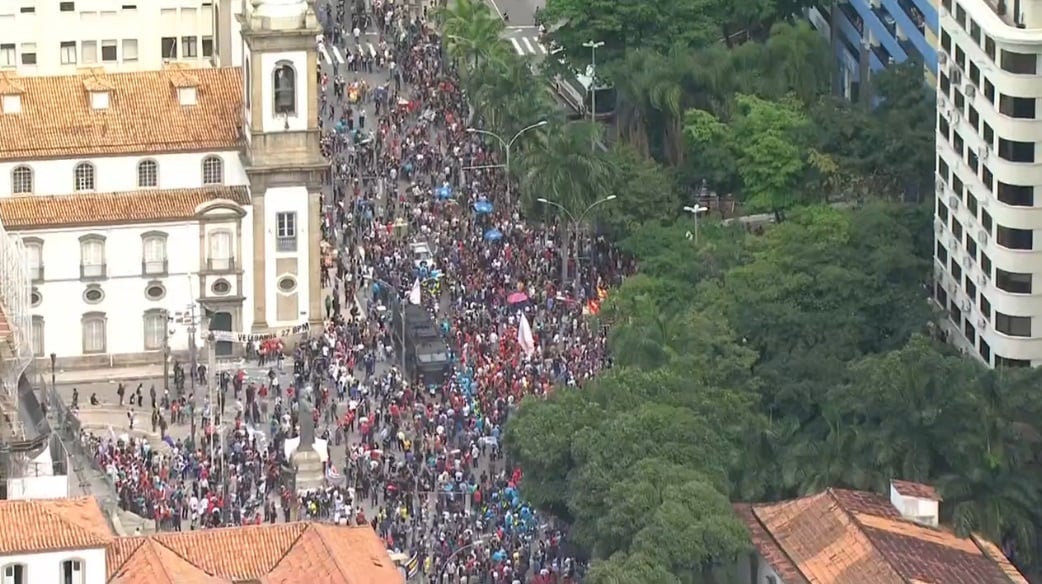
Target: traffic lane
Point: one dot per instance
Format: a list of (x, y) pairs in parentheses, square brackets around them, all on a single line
[(516, 12)]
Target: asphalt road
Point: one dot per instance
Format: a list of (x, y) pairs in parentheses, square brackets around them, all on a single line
[(516, 12)]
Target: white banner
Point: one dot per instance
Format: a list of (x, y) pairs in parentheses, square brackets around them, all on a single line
[(237, 337)]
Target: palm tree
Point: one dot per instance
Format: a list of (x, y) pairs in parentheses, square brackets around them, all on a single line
[(508, 98), (632, 107), (561, 165), (471, 33)]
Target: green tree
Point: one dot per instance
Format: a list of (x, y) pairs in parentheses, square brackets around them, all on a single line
[(472, 35), (711, 156), (561, 165), (645, 192)]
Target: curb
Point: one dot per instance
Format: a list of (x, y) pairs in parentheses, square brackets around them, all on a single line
[(114, 377)]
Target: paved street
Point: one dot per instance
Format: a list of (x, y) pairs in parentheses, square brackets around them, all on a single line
[(516, 12), (525, 40)]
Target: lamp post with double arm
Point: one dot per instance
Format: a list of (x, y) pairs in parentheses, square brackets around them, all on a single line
[(507, 146), (576, 221)]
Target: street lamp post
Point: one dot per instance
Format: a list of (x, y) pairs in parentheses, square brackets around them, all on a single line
[(54, 391), (507, 145), (593, 46), (694, 213), (576, 221)]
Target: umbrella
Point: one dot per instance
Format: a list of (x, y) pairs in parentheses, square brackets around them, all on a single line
[(517, 297), (482, 207), (444, 192), (493, 235)]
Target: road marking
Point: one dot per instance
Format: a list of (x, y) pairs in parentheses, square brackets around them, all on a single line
[(528, 45), (372, 50), (325, 54), (496, 8), (337, 54), (517, 46), (542, 47), (521, 27)]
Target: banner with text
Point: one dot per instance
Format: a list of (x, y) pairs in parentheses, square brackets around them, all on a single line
[(237, 337)]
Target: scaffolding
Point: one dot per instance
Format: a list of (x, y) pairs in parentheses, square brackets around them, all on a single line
[(16, 346)]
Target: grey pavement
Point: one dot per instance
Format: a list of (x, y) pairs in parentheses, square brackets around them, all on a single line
[(516, 12), (525, 41)]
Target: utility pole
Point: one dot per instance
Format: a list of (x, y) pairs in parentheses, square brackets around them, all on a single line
[(593, 46), (166, 351), (193, 351)]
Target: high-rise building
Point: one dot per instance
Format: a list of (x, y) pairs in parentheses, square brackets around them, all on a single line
[(868, 35), (988, 167)]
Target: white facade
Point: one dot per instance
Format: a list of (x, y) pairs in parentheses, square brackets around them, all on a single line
[(54, 38), (122, 173), (272, 121), (988, 263), (41, 478), (282, 204), (122, 313), (50, 566)]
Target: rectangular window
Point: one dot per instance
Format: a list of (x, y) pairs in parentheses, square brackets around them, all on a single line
[(68, 52), (960, 15), (89, 52), (971, 204), (985, 221), (956, 271), (129, 50), (1014, 326), (989, 134), (942, 253), (960, 57), (942, 210), (956, 229), (286, 231), (155, 331), (1011, 238), (92, 259), (8, 55), (969, 331), (985, 351), (989, 47), (168, 47), (1017, 107), (1016, 151), (207, 46), (987, 178), (942, 168), (943, 128), (67, 6), (1020, 63), (16, 574), (1001, 361), (971, 248), (971, 289), (28, 53), (989, 90), (975, 31), (985, 266), (985, 307), (946, 84), (189, 47), (27, 10), (1013, 282), (1017, 195), (108, 51), (946, 41), (955, 313)]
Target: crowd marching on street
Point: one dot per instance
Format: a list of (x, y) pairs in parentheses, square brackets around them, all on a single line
[(418, 461)]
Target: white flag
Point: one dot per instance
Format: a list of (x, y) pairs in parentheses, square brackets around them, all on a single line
[(414, 294), (524, 336)]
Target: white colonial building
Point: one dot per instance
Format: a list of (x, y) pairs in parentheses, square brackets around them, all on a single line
[(52, 37), (138, 195)]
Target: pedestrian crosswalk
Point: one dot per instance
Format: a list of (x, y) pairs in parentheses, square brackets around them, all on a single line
[(527, 45), (335, 56)]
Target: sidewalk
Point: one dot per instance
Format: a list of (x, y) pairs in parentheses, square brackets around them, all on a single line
[(107, 374)]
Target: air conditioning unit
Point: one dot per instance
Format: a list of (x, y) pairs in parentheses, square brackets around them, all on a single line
[(953, 244), (966, 305), (955, 116), (942, 58), (939, 187), (967, 263), (982, 236), (938, 225), (985, 151), (971, 90), (984, 202), (984, 280), (982, 323), (953, 202)]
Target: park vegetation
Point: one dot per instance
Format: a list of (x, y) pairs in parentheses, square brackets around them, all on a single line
[(749, 364)]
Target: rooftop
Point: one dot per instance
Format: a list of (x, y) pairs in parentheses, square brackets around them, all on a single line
[(854, 537), (267, 554), (57, 117), (142, 206)]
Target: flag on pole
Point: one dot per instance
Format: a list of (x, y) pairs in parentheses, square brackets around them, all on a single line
[(414, 294), (524, 336)]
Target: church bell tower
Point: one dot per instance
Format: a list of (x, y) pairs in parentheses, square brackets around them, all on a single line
[(283, 160)]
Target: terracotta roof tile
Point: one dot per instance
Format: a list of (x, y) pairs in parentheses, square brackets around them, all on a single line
[(768, 548), (359, 553), (145, 206), (152, 563), (9, 84), (221, 551), (910, 489), (144, 114), (52, 525), (853, 537), (309, 555)]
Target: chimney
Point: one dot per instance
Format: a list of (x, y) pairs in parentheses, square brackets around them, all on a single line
[(916, 502)]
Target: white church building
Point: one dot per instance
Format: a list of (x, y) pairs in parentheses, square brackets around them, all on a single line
[(140, 194)]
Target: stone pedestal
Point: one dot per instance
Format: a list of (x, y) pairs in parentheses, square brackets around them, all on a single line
[(307, 468)]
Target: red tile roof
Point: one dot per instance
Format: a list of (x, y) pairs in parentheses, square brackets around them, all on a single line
[(52, 525), (910, 489), (852, 537)]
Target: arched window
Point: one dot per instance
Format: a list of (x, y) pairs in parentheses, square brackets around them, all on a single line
[(155, 329), (285, 84), (22, 180), (15, 573), (220, 257), (213, 170), (84, 176), (147, 174), (94, 328)]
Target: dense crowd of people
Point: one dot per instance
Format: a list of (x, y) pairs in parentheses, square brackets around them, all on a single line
[(420, 462)]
